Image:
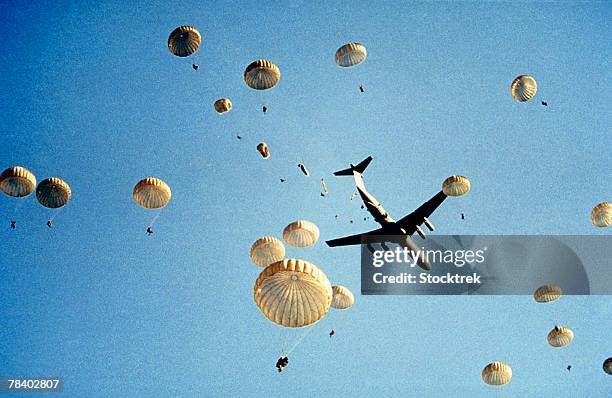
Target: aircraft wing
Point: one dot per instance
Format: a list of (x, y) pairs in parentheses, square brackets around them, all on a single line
[(417, 217), (353, 239)]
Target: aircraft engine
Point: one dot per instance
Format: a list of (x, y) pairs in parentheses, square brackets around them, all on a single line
[(420, 232), (429, 224)]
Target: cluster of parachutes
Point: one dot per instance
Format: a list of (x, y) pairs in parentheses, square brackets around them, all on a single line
[(290, 292), (261, 74), (498, 373), (55, 193), (19, 182)]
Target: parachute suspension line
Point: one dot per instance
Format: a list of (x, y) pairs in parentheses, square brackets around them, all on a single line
[(300, 339), (56, 213), (18, 203), (158, 213)]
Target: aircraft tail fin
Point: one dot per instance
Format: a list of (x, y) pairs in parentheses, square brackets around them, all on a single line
[(360, 168)]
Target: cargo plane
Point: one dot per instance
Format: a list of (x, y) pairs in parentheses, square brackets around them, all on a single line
[(391, 231)]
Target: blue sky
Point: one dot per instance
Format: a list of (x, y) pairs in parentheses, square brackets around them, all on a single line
[(92, 95)]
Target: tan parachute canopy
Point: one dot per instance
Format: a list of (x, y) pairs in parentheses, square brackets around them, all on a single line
[(351, 54), (293, 293), (17, 182), (263, 150), (184, 41), (53, 193), (267, 250), (560, 337), (152, 193), (523, 88), (547, 293), (223, 105), (601, 215), (456, 186), (301, 233), (607, 366), (343, 298), (261, 75), (496, 374)]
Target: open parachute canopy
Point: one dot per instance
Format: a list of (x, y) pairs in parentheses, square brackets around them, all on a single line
[(523, 88), (607, 366), (261, 75), (53, 193), (267, 250), (223, 105), (17, 182), (456, 186), (547, 293), (496, 374), (343, 298), (293, 293), (560, 337), (601, 215), (301, 233), (351, 54), (152, 193), (184, 41)]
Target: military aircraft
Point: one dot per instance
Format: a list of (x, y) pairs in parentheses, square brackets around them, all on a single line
[(392, 231)]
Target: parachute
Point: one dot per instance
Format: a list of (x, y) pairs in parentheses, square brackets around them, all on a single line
[(304, 169), (560, 337), (266, 251), (523, 88), (152, 193), (342, 298), (601, 215), (184, 41), (17, 182), (547, 293), (263, 150), (496, 374), (351, 54), (456, 186), (607, 366), (223, 105), (53, 193), (293, 293), (301, 233), (261, 75)]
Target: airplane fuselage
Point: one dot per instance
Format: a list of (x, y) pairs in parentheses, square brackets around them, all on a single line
[(388, 224), (379, 213)]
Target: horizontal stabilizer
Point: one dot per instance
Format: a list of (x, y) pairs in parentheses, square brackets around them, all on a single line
[(360, 168)]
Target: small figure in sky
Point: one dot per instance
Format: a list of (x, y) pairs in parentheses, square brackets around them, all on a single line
[(149, 230), (195, 66), (281, 363), (13, 224)]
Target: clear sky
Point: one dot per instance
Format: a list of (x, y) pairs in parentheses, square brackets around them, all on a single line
[(91, 94)]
